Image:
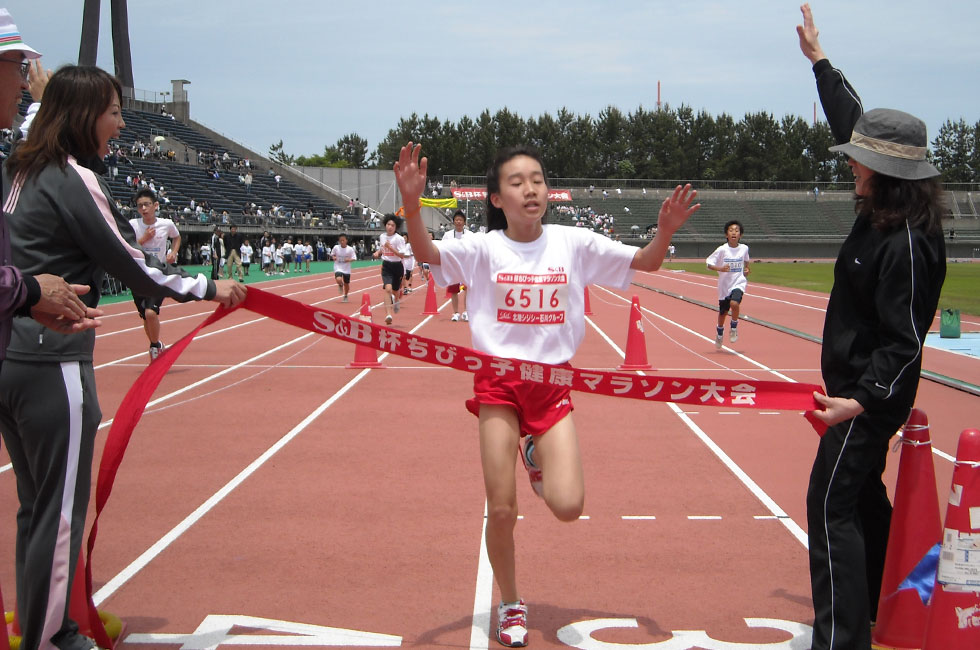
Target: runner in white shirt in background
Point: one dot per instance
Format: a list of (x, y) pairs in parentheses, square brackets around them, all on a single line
[(153, 234), (731, 260), (391, 250), (457, 292), (409, 263), (342, 255)]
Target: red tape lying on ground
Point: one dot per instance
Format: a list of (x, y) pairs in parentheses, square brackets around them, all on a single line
[(683, 390)]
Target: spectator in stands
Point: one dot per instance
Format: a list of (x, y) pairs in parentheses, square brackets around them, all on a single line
[(268, 246), (233, 246), (62, 217), (278, 179), (246, 253), (112, 162), (887, 281), (217, 253), (160, 238), (248, 182)]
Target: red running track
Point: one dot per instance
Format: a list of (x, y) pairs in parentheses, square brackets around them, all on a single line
[(272, 493)]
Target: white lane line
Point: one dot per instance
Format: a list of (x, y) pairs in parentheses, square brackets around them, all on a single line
[(171, 536), (151, 553), (480, 623), (740, 474)]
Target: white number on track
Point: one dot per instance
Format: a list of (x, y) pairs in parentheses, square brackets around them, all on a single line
[(215, 630), (579, 635)]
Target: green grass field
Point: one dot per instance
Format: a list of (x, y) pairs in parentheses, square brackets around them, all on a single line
[(960, 291)]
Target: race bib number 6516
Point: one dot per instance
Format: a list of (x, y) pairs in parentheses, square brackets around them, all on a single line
[(531, 298)]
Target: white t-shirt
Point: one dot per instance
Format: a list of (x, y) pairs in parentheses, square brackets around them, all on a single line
[(266, 254), (287, 249), (409, 260), (156, 245), (342, 257), (389, 244), (246, 252), (527, 300), (735, 278), (452, 234), (309, 251), (278, 254)]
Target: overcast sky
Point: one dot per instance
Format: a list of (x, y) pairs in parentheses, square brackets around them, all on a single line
[(311, 71)]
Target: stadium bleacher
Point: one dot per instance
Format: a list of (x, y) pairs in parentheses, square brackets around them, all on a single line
[(184, 179)]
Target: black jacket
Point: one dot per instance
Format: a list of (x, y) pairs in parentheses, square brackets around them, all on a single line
[(886, 290)]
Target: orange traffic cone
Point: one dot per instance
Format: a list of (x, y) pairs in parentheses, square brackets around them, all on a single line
[(588, 303), (954, 612), (365, 357), (636, 345), (431, 306), (913, 543)]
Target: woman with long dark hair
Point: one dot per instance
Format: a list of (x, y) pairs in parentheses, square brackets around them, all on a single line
[(887, 280), (63, 220)]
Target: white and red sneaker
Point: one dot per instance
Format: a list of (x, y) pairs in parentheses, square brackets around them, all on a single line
[(512, 624), (156, 351), (533, 471)]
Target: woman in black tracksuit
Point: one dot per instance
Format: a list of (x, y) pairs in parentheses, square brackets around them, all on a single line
[(887, 281)]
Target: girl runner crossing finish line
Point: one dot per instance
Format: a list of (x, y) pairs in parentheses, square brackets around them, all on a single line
[(526, 299)]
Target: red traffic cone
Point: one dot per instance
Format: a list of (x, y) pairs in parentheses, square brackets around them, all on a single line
[(636, 345), (588, 303), (431, 306), (365, 357), (4, 640), (913, 543), (954, 612)]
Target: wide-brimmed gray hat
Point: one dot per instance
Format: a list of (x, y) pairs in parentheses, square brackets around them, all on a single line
[(891, 143)]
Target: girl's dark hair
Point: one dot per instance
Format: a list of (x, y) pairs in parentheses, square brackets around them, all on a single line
[(895, 200), (495, 216), (392, 217), (74, 99), (735, 222)]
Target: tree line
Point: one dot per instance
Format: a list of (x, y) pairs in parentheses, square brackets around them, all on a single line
[(665, 143)]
